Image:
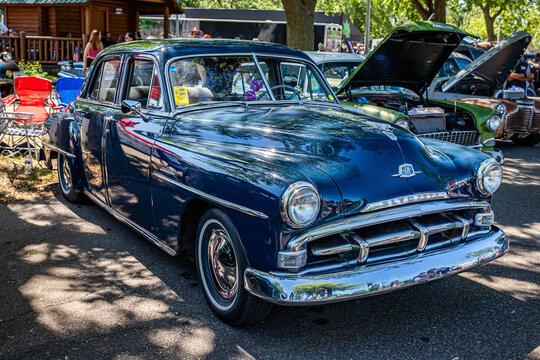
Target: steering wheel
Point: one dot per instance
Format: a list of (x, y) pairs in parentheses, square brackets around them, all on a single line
[(295, 91)]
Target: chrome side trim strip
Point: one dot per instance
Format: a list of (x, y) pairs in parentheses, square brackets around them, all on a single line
[(378, 217), (148, 235), (63, 152), (214, 199), (294, 289)]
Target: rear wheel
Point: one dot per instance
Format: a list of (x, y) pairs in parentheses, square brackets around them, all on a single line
[(220, 265), (529, 140), (65, 178)]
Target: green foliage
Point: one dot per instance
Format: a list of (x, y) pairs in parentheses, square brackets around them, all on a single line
[(233, 4), (35, 69)]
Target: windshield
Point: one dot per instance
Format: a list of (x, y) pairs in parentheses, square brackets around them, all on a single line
[(452, 66), (337, 72), (238, 78)]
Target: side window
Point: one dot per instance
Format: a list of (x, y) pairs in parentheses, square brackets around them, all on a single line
[(106, 81), (144, 85)]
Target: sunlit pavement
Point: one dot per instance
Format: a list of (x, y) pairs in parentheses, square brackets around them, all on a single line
[(78, 284)]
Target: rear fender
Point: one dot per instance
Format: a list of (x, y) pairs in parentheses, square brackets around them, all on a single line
[(63, 136)]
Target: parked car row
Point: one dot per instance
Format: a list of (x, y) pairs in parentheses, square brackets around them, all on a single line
[(421, 77), (241, 154)]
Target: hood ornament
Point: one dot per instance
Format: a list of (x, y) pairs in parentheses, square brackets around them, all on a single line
[(379, 128), (406, 171)]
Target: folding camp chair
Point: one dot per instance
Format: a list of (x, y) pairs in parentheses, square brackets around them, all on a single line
[(67, 90), (18, 137), (32, 93)]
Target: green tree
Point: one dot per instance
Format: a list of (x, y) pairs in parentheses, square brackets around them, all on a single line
[(382, 20), (419, 9)]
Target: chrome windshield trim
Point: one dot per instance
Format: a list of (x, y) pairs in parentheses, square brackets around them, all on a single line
[(382, 216), (265, 80), (63, 152), (214, 199)]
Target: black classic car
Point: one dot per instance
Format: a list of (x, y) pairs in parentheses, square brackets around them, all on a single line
[(281, 194)]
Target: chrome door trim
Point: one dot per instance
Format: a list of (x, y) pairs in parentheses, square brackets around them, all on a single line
[(142, 231), (213, 198)]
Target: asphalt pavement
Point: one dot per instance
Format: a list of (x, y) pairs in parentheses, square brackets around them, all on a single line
[(77, 284)]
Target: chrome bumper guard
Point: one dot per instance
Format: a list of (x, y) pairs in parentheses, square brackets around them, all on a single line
[(293, 289)]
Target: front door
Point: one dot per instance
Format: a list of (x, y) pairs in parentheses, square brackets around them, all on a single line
[(129, 142), (91, 112)]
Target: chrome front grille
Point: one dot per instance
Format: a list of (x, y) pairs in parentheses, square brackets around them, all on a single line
[(520, 121), (535, 123), (466, 137), (393, 240)]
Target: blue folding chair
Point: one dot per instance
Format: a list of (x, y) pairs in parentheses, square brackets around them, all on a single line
[(67, 90)]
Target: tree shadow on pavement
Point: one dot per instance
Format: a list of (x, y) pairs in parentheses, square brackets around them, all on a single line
[(79, 284)]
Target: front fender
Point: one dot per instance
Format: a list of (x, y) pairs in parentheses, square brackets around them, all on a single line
[(63, 136)]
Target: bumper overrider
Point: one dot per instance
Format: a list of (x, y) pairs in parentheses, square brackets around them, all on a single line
[(290, 288)]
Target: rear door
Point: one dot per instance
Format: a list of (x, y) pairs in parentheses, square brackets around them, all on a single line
[(90, 112), (129, 141)]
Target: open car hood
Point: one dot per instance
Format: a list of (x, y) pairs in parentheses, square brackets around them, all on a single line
[(410, 57), (496, 64)]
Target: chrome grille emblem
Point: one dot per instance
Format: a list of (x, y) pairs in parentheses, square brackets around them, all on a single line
[(406, 171)]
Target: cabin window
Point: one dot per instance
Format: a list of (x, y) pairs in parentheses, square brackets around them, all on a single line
[(106, 81), (144, 85)]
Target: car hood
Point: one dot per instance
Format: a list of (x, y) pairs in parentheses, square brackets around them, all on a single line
[(410, 57), (495, 64), (361, 155)]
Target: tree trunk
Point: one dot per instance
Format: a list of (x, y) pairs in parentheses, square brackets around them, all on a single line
[(489, 22), (440, 11), (436, 7), (300, 20)]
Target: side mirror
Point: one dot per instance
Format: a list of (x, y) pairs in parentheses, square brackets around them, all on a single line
[(131, 106)]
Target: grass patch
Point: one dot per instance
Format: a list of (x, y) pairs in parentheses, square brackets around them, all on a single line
[(16, 185)]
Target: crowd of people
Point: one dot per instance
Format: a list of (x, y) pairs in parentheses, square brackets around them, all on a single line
[(97, 42)]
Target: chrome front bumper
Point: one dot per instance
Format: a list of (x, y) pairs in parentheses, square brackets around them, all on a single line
[(293, 289)]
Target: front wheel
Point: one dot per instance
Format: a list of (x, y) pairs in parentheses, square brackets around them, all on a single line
[(65, 178), (529, 140), (220, 266)]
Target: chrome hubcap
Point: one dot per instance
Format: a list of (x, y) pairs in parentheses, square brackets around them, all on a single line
[(65, 175), (222, 263)]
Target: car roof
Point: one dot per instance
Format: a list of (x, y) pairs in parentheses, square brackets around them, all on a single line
[(325, 57), (169, 48)]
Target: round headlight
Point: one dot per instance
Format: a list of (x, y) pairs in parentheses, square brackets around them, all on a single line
[(403, 123), (6, 57), (501, 108), (489, 177), (300, 204), (493, 123)]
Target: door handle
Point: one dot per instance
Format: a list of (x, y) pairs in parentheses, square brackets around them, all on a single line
[(108, 118)]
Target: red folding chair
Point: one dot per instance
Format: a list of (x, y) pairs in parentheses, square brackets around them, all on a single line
[(32, 93)]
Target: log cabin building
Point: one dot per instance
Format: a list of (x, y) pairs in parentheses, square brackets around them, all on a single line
[(46, 23)]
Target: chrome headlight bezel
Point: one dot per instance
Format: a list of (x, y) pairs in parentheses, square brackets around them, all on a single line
[(298, 188), (501, 108), (6, 56), (488, 168), (493, 123)]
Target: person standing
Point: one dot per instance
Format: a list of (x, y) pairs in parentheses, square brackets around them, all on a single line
[(91, 50), (107, 40), (521, 76)]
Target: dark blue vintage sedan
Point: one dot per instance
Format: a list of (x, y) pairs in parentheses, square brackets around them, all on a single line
[(240, 153)]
